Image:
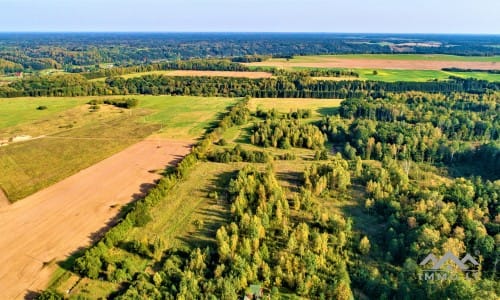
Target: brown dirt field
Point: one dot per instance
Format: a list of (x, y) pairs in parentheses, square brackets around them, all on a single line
[(3, 199), (51, 224), (361, 63), (252, 75)]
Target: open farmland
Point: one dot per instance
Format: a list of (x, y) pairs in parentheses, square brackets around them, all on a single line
[(388, 75), (400, 61), (67, 215), (35, 164), (285, 105), (14, 111), (55, 221), (195, 73), (73, 139)]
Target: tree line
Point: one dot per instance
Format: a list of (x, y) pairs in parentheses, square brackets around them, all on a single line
[(280, 87)]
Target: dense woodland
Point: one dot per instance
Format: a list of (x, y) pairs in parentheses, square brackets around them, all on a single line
[(295, 85), (72, 51)]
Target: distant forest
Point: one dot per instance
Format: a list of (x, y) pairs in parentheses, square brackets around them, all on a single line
[(37, 51)]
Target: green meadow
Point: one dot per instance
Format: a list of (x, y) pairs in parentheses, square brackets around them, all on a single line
[(430, 57), (35, 164)]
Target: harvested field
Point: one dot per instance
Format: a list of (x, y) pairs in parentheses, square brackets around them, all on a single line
[(195, 73), (364, 62), (3, 199), (51, 224), (221, 74)]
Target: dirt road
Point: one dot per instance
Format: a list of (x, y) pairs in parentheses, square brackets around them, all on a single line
[(58, 220)]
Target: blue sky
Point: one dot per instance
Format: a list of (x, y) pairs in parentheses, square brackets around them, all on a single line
[(394, 16)]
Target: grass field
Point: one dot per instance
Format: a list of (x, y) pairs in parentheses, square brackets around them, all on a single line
[(427, 57), (30, 166), (414, 75), (14, 111), (76, 138), (195, 73), (318, 106), (183, 117), (393, 67)]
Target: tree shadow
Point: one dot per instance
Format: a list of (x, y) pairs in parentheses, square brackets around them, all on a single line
[(245, 134), (31, 295), (213, 218), (294, 179), (96, 236), (212, 125), (328, 111), (129, 246), (203, 236)]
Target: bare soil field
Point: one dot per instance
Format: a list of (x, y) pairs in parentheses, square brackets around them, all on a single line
[(393, 64), (195, 73), (53, 223), (3, 199), (220, 74)]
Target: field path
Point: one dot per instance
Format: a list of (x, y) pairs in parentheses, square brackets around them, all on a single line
[(62, 218)]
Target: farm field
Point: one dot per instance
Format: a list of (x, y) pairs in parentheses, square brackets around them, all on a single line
[(69, 214), (75, 138), (411, 75), (398, 61), (425, 57), (318, 106), (195, 73), (14, 111)]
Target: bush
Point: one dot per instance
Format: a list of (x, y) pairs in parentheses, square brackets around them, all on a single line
[(50, 295)]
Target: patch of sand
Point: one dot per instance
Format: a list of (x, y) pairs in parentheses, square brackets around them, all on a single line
[(64, 217)]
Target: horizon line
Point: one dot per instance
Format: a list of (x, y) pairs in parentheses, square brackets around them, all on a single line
[(251, 32)]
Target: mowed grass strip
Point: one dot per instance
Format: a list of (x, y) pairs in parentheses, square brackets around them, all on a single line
[(196, 73)]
